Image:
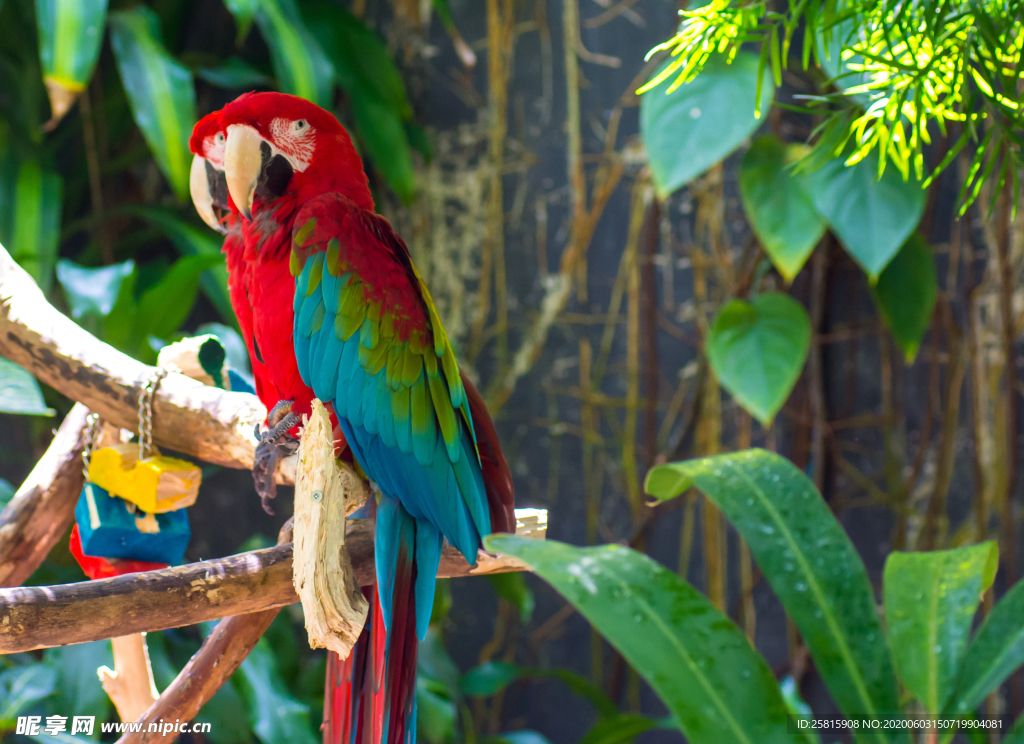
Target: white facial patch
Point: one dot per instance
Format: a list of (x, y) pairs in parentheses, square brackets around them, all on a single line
[(295, 140), (213, 149)]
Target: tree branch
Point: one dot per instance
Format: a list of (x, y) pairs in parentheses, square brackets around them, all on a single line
[(210, 667), (42, 509), (189, 417), (47, 616)]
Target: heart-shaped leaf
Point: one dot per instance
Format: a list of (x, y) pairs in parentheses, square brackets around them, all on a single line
[(871, 217), (905, 294), (692, 128), (779, 204), (757, 350)]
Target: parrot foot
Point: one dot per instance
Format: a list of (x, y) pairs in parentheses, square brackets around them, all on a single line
[(275, 443)]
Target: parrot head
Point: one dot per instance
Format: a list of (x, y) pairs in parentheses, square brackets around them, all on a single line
[(270, 145), (207, 180)]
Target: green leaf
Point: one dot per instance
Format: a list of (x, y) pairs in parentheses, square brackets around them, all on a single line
[(234, 73), (381, 131), (299, 63), (30, 209), (61, 738), (70, 36), (434, 662), (194, 241), (930, 601), (79, 692), (995, 652), (905, 294), (435, 714), (1016, 734), (164, 307), (779, 204), (522, 736), (757, 350), (160, 91), (489, 678), (689, 130), (512, 588), (21, 687), (362, 64), (581, 686), (692, 655), (622, 728), (7, 492), (841, 71), (872, 218), (92, 291), (225, 714), (810, 563), (380, 105), (244, 11), (19, 391), (274, 714), (796, 704)]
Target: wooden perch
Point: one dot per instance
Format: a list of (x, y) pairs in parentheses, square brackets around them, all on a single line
[(46, 616), (333, 605), (188, 417), (210, 667), (44, 507), (130, 683)]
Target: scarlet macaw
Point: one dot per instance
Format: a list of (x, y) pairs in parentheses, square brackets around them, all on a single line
[(333, 308)]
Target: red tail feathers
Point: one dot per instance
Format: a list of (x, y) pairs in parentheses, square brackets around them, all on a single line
[(370, 697)]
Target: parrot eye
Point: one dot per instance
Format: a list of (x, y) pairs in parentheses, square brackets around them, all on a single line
[(299, 125), (219, 138)]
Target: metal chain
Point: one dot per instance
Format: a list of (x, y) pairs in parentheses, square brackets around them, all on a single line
[(146, 411), (92, 425)]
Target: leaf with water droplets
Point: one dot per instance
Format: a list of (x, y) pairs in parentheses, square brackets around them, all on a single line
[(830, 600), (689, 652), (930, 601)]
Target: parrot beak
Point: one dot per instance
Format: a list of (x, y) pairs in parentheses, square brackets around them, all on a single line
[(209, 194), (244, 155)]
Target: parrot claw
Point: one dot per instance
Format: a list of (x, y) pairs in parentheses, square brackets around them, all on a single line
[(274, 444)]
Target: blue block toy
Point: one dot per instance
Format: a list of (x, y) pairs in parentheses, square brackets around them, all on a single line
[(109, 530)]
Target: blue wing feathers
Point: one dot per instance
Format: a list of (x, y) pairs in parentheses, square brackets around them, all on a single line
[(392, 404)]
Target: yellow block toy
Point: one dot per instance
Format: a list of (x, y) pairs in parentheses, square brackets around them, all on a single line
[(157, 484)]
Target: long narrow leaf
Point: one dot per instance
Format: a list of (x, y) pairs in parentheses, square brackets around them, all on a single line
[(70, 35), (194, 241), (300, 64), (930, 600), (693, 656), (30, 208), (996, 651), (810, 563), (161, 92)]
